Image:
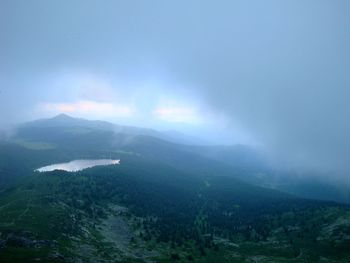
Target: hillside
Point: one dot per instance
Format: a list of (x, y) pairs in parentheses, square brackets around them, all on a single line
[(98, 139), (165, 202), (148, 211)]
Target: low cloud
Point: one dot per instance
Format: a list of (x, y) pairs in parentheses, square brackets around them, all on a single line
[(178, 114), (278, 71)]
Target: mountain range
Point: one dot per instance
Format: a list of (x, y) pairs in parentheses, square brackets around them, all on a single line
[(166, 202), (242, 161)]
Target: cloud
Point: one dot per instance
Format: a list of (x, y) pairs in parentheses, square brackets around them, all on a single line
[(178, 114), (278, 70), (96, 88)]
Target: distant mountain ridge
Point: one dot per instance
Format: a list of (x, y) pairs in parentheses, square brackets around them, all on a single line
[(65, 121), (240, 161)]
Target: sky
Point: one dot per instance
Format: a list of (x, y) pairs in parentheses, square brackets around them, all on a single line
[(273, 74)]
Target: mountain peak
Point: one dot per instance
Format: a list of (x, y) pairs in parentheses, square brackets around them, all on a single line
[(62, 116), (64, 120)]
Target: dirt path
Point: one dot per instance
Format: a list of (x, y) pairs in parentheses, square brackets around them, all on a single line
[(5, 205), (24, 212)]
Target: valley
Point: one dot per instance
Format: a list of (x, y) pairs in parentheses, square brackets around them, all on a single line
[(174, 131), (161, 204)]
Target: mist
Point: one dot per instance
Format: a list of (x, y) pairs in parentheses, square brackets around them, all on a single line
[(271, 74)]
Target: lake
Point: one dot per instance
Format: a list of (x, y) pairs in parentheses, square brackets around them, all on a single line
[(77, 165)]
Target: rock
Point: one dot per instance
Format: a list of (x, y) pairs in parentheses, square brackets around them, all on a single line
[(56, 256)]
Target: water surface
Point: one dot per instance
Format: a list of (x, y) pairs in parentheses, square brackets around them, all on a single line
[(77, 165)]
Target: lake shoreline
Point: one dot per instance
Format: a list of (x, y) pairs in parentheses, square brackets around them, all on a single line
[(77, 165)]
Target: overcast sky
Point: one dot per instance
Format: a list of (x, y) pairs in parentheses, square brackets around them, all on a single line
[(268, 73)]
